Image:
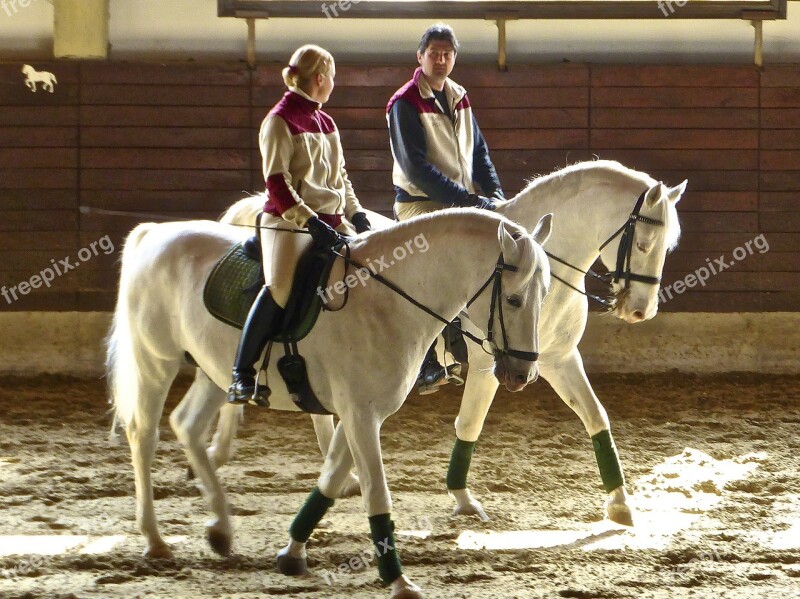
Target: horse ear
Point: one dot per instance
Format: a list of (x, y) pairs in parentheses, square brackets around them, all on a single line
[(674, 193), (542, 230), (508, 243), (654, 194)]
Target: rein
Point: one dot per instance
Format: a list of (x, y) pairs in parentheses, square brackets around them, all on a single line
[(164, 217), (623, 266), (495, 279)]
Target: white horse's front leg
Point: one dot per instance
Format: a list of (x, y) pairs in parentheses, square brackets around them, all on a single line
[(191, 420), (568, 379), (291, 559), (479, 392), (323, 427), (363, 435)]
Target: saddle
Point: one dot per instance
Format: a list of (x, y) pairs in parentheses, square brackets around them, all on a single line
[(237, 278), (232, 287)]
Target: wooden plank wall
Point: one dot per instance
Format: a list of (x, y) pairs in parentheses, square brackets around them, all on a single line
[(181, 140)]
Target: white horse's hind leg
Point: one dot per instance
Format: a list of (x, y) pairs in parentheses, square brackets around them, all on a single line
[(199, 393), (221, 449), (479, 392), (568, 379), (323, 427), (191, 420), (142, 434)]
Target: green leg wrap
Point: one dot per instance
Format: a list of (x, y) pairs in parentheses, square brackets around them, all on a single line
[(309, 515), (607, 460), (459, 464), (382, 529)]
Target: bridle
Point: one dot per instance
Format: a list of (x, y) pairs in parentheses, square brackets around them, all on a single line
[(623, 270), (496, 305), (624, 252)]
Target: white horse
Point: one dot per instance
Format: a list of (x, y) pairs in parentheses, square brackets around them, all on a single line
[(362, 359), (594, 203), (591, 202), (32, 76)]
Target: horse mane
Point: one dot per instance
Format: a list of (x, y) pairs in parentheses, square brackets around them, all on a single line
[(590, 172), (456, 221), (459, 223), (599, 172)]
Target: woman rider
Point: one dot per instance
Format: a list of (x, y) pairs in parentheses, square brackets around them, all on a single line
[(308, 188)]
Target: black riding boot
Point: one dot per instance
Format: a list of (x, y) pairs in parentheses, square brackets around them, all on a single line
[(431, 373), (262, 322)]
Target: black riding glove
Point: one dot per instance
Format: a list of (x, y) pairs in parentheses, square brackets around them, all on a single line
[(361, 222), (482, 202), (322, 233)]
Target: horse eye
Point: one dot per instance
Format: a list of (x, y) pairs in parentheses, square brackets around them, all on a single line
[(514, 301)]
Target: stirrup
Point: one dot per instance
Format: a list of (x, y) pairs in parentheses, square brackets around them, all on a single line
[(260, 396), (257, 395), (454, 375)]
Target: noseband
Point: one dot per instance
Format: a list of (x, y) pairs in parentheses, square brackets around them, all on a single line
[(496, 279), (623, 269)]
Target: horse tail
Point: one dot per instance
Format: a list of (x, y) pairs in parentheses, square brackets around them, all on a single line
[(121, 369)]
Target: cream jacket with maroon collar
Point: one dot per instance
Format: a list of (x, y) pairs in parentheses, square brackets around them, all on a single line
[(303, 163), (436, 157)]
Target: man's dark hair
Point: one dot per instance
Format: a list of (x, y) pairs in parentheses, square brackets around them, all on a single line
[(438, 32)]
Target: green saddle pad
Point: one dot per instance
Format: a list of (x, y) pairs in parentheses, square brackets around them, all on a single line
[(232, 286), (237, 278)]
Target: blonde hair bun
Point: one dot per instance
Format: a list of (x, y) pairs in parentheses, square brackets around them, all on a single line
[(307, 61)]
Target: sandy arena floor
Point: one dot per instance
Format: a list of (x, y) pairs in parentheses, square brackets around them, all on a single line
[(712, 462)]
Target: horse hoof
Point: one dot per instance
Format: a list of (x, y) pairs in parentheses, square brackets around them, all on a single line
[(220, 542), (408, 594), (159, 551), (291, 566), (472, 509), (619, 513), (351, 488), (403, 588)]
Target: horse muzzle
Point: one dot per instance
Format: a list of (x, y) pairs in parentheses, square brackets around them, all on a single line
[(632, 314), (514, 373)]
